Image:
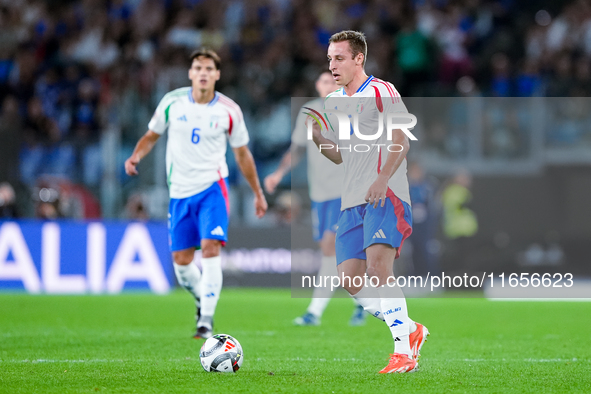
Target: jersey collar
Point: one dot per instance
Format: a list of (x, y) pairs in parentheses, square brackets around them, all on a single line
[(362, 87), (212, 102)]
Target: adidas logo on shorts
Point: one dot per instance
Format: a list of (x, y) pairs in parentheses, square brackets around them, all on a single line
[(379, 234), (217, 231)]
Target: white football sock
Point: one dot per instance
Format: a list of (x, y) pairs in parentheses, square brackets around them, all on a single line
[(317, 306), (369, 299), (211, 284), (395, 313), (188, 276), (322, 295)]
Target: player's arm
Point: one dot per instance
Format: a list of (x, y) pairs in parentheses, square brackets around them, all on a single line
[(326, 146), (289, 160), (142, 148), (246, 164), (377, 191)]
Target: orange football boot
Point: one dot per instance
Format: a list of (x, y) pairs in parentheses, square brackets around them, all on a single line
[(400, 363), (417, 339)]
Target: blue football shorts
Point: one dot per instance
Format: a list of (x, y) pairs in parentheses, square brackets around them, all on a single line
[(202, 216), (325, 216), (363, 225)]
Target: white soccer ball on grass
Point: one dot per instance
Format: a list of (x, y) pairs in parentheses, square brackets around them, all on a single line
[(221, 353)]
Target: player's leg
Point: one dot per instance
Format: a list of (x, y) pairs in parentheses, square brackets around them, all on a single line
[(184, 237), (321, 295), (325, 215), (352, 268), (385, 229), (351, 259), (211, 284), (187, 273), (213, 225), (380, 260), (328, 247), (369, 299)]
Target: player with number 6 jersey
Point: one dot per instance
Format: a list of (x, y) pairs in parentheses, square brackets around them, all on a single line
[(200, 123), (197, 138)]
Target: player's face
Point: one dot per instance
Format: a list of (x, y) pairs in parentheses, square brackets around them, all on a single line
[(341, 62), (325, 84), (203, 73)]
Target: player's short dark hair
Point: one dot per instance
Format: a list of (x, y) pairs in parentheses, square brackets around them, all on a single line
[(356, 41), (207, 53)]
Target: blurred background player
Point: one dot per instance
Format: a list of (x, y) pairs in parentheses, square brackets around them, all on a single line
[(425, 214), (324, 183), (376, 215), (460, 223), (201, 121)]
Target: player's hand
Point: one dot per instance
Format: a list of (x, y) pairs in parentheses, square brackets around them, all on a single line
[(377, 192), (316, 129), (271, 182), (130, 165), (260, 204)]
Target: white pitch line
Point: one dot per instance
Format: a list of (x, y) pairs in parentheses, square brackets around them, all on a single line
[(44, 360), (355, 360)]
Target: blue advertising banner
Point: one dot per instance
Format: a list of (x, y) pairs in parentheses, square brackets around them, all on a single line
[(84, 257)]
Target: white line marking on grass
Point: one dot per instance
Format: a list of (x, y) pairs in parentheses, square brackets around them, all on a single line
[(521, 360), (530, 360), (44, 360), (309, 359), (540, 299)]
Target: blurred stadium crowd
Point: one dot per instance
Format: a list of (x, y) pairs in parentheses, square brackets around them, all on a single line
[(71, 69)]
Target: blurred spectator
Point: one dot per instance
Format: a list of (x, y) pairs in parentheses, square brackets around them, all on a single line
[(501, 78), (562, 82), (47, 204), (10, 139), (183, 33), (95, 45), (414, 57), (529, 80), (455, 61), (85, 111), (582, 73), (136, 208), (43, 151), (287, 208), (57, 197), (7, 202)]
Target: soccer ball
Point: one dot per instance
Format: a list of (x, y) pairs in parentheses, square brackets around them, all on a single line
[(221, 353)]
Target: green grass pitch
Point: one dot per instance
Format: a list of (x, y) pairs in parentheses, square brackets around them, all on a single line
[(141, 343)]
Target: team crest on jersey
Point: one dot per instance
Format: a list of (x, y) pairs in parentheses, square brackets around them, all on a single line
[(359, 108), (213, 123)]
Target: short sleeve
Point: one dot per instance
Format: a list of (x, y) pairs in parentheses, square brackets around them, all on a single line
[(160, 121), (394, 102), (237, 132)]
